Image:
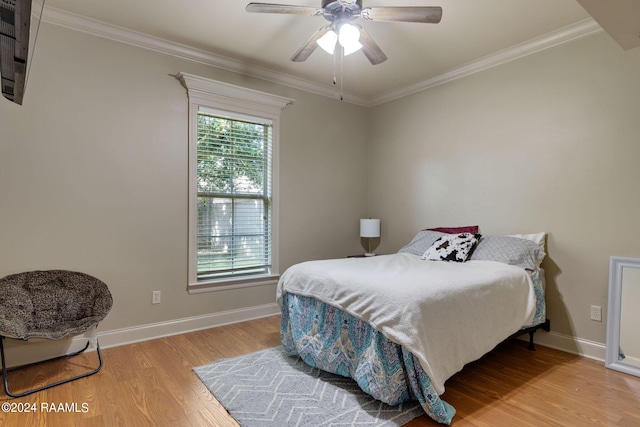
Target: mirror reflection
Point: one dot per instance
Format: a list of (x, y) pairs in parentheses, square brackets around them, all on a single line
[(623, 333), (630, 316)]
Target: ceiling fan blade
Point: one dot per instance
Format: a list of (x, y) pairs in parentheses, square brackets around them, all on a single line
[(371, 50), (429, 15), (282, 8), (310, 45)]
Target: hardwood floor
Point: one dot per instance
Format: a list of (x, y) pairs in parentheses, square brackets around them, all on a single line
[(152, 384)]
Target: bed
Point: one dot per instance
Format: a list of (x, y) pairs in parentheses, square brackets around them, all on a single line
[(400, 325)]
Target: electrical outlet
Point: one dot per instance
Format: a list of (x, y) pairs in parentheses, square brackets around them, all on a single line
[(155, 297), (596, 313)]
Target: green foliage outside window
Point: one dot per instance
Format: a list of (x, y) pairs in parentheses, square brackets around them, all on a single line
[(233, 172)]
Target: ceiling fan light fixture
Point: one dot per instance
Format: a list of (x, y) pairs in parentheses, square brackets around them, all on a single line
[(348, 38), (341, 14), (348, 34), (351, 47), (328, 42)]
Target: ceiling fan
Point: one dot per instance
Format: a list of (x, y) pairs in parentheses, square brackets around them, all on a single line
[(342, 30)]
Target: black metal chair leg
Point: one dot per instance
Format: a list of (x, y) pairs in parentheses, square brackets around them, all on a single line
[(5, 371)]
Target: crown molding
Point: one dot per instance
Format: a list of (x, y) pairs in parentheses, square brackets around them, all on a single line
[(108, 31), (567, 34), (93, 27)]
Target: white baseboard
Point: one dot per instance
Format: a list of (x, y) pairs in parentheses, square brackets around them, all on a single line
[(151, 331), (591, 349), (21, 353), (632, 360)]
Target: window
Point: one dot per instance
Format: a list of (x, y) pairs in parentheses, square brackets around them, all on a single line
[(234, 197), (233, 139)]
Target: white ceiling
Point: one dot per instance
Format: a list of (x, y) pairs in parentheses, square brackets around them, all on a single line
[(472, 34)]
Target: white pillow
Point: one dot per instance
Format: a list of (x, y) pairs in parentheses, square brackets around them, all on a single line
[(538, 238)]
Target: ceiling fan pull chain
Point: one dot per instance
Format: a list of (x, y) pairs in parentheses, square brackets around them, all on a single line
[(341, 71), (334, 68)]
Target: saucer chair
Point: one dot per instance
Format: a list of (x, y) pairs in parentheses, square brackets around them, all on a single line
[(52, 305)]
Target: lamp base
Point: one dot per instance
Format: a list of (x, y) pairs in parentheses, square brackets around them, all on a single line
[(369, 244)]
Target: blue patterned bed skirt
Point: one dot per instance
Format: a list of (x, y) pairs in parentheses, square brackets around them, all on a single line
[(334, 341), (539, 285)]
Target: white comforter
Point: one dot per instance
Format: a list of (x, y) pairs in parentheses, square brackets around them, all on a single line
[(446, 313)]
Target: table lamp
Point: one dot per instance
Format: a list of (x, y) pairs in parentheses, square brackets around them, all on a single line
[(369, 235)]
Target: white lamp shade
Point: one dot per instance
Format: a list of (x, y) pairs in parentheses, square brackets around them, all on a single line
[(369, 228), (353, 47), (348, 34), (328, 42), (348, 38)]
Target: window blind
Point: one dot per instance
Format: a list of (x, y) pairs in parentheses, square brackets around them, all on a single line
[(234, 196)]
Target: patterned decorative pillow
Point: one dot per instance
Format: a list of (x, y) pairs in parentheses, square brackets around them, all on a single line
[(524, 253), (452, 247), (421, 242)]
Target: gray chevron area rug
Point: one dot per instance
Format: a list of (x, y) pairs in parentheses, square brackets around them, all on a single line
[(271, 389)]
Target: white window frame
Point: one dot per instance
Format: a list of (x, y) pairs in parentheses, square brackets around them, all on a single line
[(239, 101)]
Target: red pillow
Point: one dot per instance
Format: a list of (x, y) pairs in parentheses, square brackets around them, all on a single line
[(454, 230)]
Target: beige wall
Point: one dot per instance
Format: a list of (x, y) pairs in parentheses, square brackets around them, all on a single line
[(93, 171), (549, 142), (93, 176)]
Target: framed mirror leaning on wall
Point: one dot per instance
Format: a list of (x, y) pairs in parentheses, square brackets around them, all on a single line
[(623, 320)]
